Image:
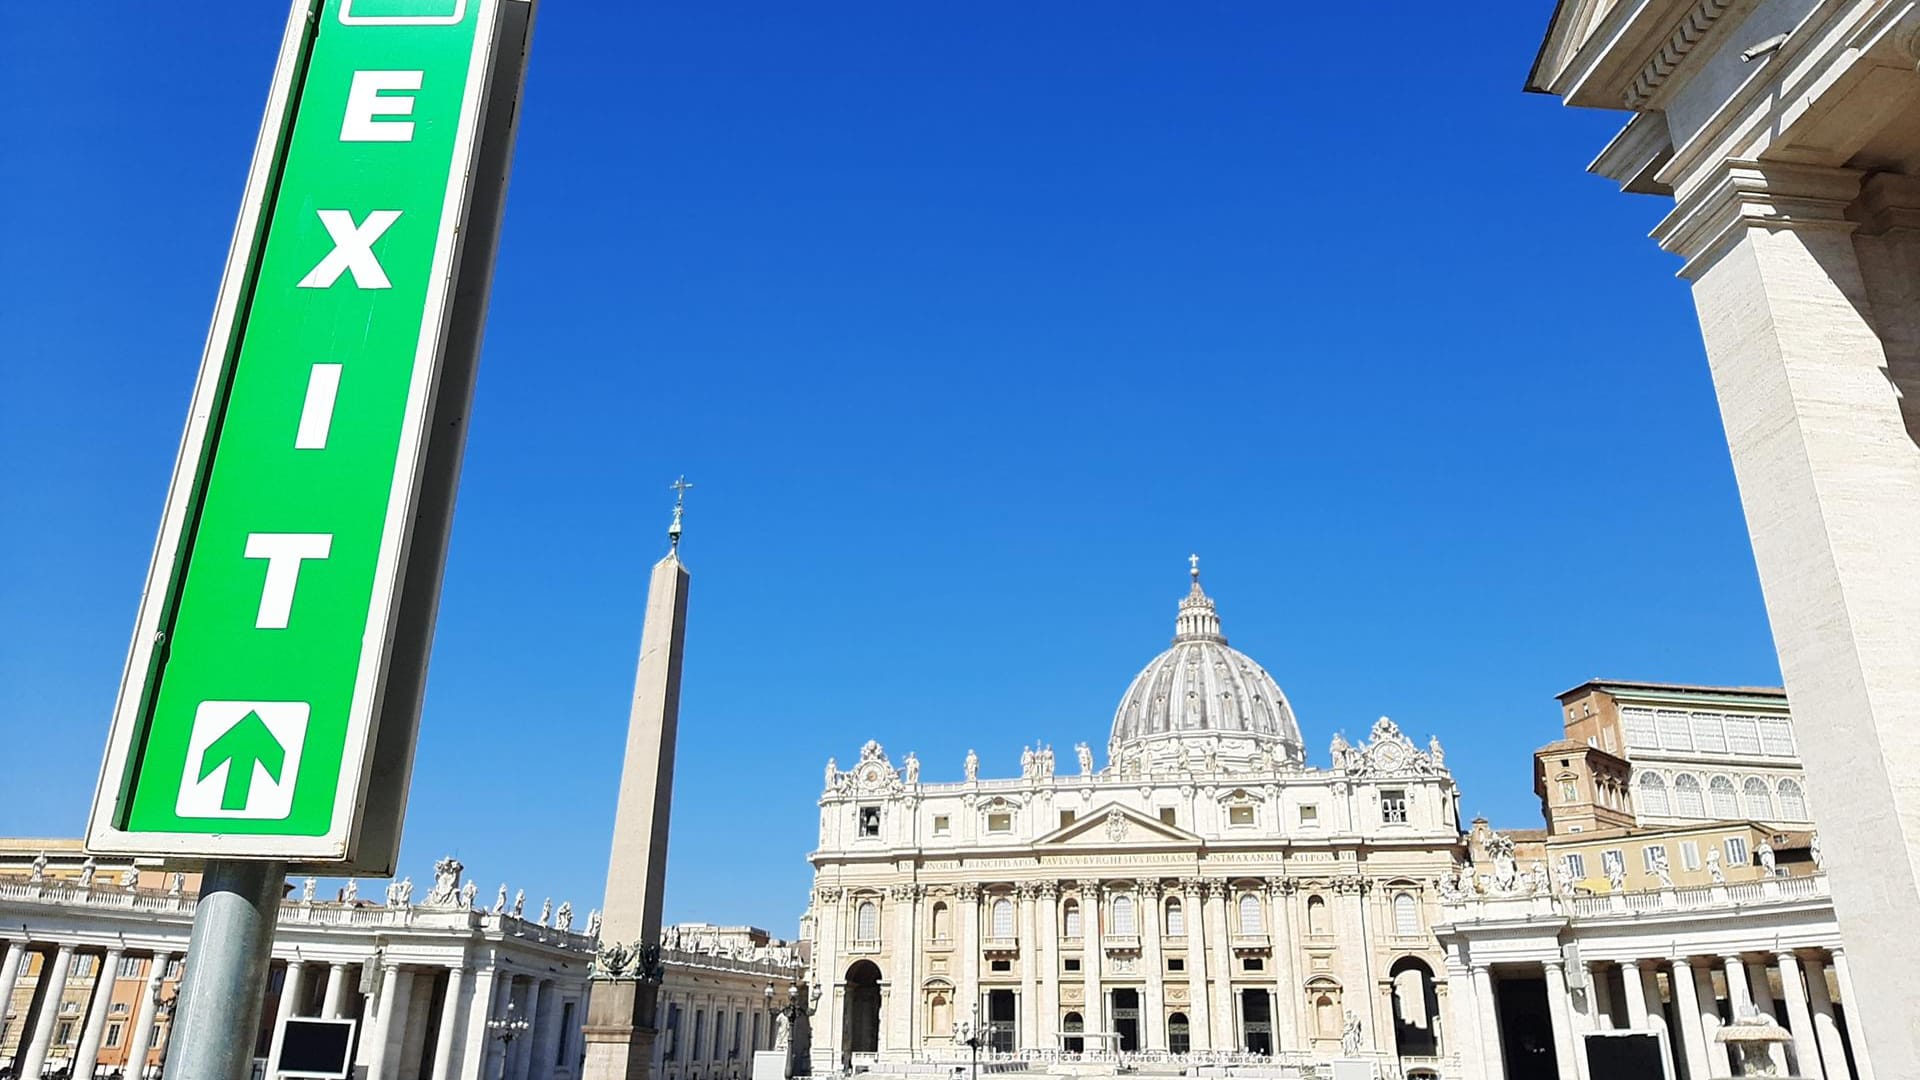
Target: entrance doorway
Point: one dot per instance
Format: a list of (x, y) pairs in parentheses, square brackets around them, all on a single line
[(861, 1032), (1526, 1028), (1416, 1009), (1071, 1027), (1126, 1018), (1256, 1014), (1001, 1025), (1179, 1038)]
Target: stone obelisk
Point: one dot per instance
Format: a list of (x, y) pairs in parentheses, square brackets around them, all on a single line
[(620, 1025)]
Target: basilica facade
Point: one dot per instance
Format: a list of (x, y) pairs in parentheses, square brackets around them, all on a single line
[(1206, 890)]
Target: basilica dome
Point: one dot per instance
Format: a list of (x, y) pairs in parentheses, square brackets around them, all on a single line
[(1203, 691)]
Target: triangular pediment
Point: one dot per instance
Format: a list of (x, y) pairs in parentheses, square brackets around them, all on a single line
[(1116, 826)]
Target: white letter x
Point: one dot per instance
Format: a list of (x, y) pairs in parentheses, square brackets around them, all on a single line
[(352, 250)]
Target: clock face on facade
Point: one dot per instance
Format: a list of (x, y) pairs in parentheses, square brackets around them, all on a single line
[(1389, 756)]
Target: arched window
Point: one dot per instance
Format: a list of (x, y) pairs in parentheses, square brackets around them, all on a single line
[(1176, 919), (1653, 795), (1759, 799), (1316, 914), (1688, 801), (1406, 915), (942, 922), (866, 921), (1071, 1026), (1793, 801), (1002, 918), (1249, 914), (1123, 922), (1720, 795), (1070, 917)]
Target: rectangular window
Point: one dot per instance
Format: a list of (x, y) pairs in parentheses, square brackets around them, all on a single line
[(129, 967), (1651, 855), (1000, 822), (1676, 733), (699, 1032), (1737, 850), (739, 1021), (1253, 963), (1642, 731), (1612, 861), (1743, 735), (1776, 738), (1708, 736), (1239, 815), (1001, 965), (173, 969), (113, 1035), (1066, 818), (1176, 963), (1166, 815), (1393, 806), (1072, 963), (869, 821), (941, 824), (119, 1009), (83, 966), (64, 1033), (1576, 864), (1690, 854), (565, 1034), (1310, 815)]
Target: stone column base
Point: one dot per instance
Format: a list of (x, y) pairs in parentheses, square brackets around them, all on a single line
[(619, 1031)]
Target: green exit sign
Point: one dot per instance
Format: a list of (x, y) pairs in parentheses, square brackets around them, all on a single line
[(271, 697)]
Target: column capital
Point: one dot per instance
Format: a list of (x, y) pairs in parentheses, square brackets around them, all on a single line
[(967, 892), (1049, 890), (1150, 889), (1712, 214)]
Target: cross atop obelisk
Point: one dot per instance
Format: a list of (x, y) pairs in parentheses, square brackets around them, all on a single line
[(620, 1009)]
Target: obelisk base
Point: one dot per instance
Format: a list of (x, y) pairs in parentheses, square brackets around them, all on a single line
[(620, 1029)]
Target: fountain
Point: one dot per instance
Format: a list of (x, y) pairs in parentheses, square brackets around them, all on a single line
[(1751, 1038)]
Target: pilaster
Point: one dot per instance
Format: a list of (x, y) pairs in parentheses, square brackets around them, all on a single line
[(1199, 1018), (1829, 475), (1153, 1010), (1094, 1005)]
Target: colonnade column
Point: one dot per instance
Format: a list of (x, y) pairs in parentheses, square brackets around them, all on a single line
[(1488, 1009), (1153, 1011), (1686, 1003), (1029, 969), (1636, 992), (1565, 1054), (1602, 996), (142, 1039), (1856, 1038), (1719, 1055), (89, 1052), (53, 984), (967, 1005), (1739, 998), (541, 1049), (1656, 1012), (392, 1002), (522, 1066), (1286, 1027), (451, 1010), (1757, 985), (488, 990), (335, 1007), (1092, 1007), (904, 980), (290, 987), (1046, 958), (1221, 963), (10, 973), (1192, 913), (1826, 1031), (1806, 1051)]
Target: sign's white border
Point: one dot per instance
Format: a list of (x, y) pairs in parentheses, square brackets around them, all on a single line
[(349, 18), (336, 845)]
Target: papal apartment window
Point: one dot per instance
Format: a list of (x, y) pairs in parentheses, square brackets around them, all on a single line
[(1001, 822), (1576, 864), (1737, 850), (1393, 806), (1613, 860), (941, 825), (1651, 855), (1690, 854), (869, 821), (1239, 815), (1166, 815), (1310, 815)]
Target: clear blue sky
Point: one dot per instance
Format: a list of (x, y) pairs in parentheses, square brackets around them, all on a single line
[(969, 321)]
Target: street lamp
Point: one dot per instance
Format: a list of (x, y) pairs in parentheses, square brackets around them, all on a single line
[(507, 1028)]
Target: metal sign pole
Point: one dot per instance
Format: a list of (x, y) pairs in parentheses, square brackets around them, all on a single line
[(227, 964)]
